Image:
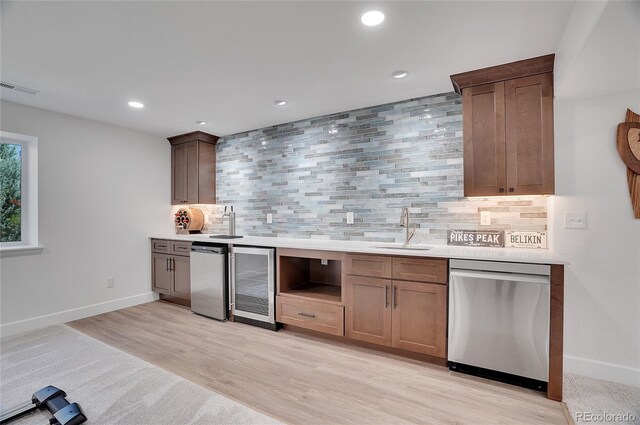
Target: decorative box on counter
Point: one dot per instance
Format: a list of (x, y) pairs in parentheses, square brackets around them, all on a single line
[(189, 220)]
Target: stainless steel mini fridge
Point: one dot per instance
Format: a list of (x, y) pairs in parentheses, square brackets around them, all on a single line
[(208, 280)]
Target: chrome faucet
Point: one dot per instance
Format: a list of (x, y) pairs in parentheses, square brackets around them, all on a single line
[(405, 222), (232, 219)]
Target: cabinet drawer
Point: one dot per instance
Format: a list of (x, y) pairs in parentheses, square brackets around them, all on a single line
[(160, 246), (312, 315), (420, 269), (180, 248), (368, 265)]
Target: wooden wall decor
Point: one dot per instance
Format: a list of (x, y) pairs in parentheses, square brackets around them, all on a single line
[(629, 150)]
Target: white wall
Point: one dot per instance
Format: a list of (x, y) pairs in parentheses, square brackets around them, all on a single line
[(597, 79), (102, 191)]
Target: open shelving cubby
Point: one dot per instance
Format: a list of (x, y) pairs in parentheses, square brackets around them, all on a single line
[(313, 275)]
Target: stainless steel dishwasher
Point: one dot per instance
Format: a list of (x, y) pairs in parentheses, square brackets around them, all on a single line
[(499, 321), (209, 280)]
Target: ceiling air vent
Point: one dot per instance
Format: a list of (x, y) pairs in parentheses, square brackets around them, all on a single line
[(20, 89)]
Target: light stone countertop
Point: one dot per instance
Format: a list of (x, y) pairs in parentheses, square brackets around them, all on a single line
[(515, 255)]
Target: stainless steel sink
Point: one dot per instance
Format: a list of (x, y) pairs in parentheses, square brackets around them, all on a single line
[(403, 247)]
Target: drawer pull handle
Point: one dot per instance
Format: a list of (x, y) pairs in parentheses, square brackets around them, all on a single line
[(307, 315)]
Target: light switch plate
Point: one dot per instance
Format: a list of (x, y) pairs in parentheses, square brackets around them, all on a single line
[(111, 282), (575, 220), (485, 218), (350, 217), (269, 218)]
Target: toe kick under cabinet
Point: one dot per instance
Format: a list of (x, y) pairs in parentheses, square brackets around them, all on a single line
[(395, 302)]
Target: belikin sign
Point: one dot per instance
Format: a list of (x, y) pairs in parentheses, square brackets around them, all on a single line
[(526, 240)]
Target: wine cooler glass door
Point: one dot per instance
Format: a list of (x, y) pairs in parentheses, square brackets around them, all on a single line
[(253, 283)]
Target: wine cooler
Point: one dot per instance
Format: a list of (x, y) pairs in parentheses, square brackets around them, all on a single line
[(252, 285)]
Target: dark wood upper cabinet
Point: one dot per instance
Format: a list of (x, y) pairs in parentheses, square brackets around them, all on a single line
[(507, 113), (483, 129), (529, 134), (193, 168)]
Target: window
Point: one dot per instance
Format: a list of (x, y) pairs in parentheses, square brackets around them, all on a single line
[(18, 191)]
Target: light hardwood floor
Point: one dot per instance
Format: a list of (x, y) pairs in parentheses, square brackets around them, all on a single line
[(302, 379)]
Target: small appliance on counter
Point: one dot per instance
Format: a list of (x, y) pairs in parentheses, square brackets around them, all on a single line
[(189, 220)]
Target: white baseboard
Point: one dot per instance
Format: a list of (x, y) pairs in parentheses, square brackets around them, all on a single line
[(12, 328), (602, 370)]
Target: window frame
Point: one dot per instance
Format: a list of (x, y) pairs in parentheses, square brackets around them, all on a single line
[(28, 192)]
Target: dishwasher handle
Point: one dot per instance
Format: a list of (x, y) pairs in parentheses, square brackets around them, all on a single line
[(511, 277), (209, 249)]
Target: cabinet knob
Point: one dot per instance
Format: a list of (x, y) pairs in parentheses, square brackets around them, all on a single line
[(501, 190), (511, 189)]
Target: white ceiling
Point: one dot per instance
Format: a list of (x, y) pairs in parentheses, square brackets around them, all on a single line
[(226, 62)]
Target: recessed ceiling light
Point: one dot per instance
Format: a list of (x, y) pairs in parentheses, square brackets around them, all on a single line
[(399, 74), (372, 18), (201, 122), (280, 102), (135, 104)]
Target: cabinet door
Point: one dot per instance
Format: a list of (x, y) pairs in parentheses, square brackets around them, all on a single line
[(206, 173), (181, 278), (419, 317), (161, 273), (368, 309), (178, 175), (484, 140), (529, 135), (191, 172)]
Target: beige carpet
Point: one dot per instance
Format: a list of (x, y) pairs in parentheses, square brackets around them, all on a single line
[(111, 386), (598, 402)]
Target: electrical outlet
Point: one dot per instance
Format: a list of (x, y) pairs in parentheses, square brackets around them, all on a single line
[(269, 218), (485, 218), (350, 217), (111, 282), (575, 220)]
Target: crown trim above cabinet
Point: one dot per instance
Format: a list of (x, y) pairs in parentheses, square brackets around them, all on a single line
[(507, 71)]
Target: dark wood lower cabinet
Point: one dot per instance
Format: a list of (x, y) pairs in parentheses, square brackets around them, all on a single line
[(411, 316), (181, 286), (408, 311), (161, 274), (170, 274), (368, 309), (419, 317)]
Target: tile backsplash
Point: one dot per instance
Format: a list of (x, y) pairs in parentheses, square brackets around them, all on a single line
[(373, 161)]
